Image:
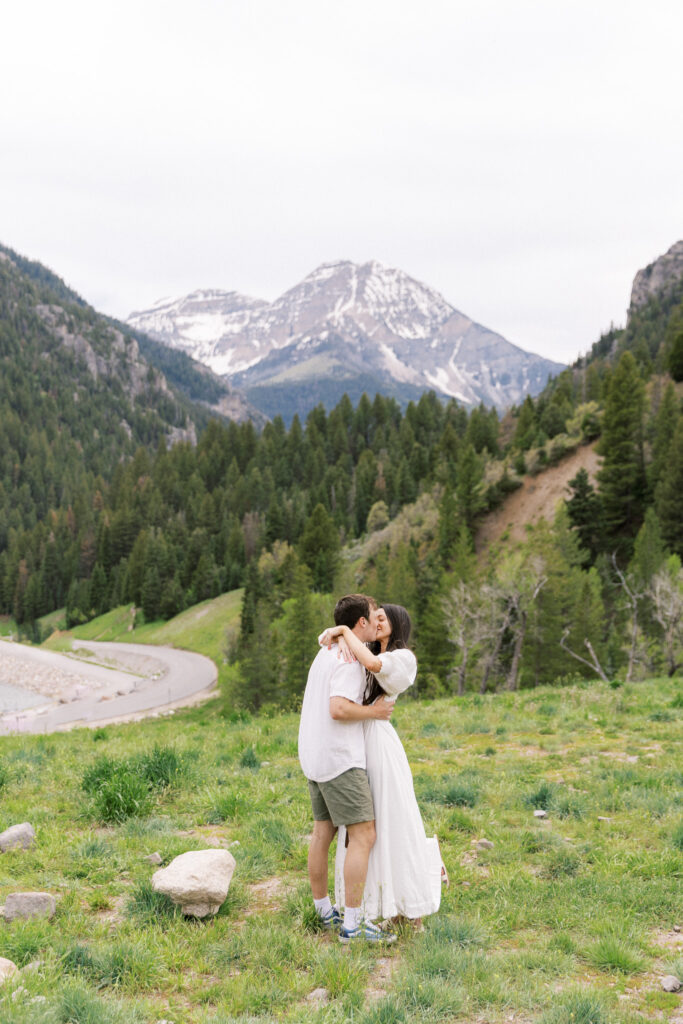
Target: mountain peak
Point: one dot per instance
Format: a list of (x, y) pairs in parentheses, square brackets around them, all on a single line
[(350, 319), (658, 276)]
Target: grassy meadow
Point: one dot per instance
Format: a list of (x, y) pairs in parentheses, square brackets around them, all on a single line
[(568, 919)]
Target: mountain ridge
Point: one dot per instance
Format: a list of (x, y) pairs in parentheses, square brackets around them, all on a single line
[(386, 324)]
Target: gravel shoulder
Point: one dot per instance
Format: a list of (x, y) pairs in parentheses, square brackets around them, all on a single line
[(97, 683)]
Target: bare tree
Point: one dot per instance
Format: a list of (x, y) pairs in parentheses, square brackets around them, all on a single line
[(593, 664), (633, 599), (666, 592), (522, 577), (496, 611), (464, 622)]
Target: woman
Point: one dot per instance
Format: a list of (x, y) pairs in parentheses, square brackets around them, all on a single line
[(405, 868)]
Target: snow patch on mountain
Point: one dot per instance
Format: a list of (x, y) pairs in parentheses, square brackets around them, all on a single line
[(380, 319)]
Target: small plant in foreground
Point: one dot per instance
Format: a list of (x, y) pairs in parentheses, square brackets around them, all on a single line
[(677, 835), (460, 794), (249, 759), (121, 796), (577, 1008), (542, 798), (161, 767), (561, 863), (224, 807), (613, 954), (148, 905)]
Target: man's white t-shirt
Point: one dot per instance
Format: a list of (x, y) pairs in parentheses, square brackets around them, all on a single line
[(328, 747)]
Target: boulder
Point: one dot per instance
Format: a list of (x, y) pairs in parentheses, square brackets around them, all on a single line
[(540, 814), (671, 983), (26, 905), (17, 837), (7, 969), (198, 881), (154, 858), (484, 844)]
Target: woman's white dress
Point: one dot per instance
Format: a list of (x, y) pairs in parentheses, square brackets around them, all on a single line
[(404, 870)]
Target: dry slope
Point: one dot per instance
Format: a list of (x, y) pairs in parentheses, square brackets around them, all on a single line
[(536, 499)]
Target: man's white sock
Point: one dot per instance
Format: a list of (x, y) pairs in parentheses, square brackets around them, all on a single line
[(352, 918), (323, 906)]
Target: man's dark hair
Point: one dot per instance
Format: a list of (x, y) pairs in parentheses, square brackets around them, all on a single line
[(352, 607)]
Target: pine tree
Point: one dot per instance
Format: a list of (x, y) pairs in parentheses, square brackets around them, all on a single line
[(585, 514), (664, 428), (649, 552), (299, 632), (319, 548), (622, 475), (669, 494)]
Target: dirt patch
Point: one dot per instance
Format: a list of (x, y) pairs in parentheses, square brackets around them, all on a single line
[(268, 895), (536, 499), (672, 942), (378, 982)]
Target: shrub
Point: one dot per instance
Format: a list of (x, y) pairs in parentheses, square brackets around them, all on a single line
[(122, 795), (161, 767), (577, 1008), (224, 807), (677, 835), (249, 759), (542, 798), (102, 769), (148, 905), (460, 794), (561, 863), (613, 954), (4, 774)]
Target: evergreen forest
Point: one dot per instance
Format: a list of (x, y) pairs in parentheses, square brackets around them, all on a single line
[(117, 487)]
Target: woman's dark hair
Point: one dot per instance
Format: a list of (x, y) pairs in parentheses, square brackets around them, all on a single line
[(400, 623)]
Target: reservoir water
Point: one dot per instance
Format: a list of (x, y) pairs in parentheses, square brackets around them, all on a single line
[(13, 698)]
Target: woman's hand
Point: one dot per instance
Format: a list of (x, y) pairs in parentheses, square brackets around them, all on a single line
[(331, 634), (345, 652), (337, 634)]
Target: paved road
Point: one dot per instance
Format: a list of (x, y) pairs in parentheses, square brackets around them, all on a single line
[(122, 682)]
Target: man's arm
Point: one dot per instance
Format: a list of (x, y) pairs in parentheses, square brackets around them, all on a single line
[(344, 710)]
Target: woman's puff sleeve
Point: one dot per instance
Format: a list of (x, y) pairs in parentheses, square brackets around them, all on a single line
[(398, 671)]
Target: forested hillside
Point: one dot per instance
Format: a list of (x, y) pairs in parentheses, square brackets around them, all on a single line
[(101, 504)]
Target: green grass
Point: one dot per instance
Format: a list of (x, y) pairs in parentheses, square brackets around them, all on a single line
[(551, 925)]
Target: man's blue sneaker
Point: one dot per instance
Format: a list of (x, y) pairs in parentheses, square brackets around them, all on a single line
[(332, 921), (366, 931)]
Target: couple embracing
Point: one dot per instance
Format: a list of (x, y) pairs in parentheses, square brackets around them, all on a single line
[(359, 778)]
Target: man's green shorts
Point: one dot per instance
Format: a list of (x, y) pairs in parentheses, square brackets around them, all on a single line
[(344, 800)]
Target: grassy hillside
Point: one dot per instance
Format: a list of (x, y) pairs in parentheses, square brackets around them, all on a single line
[(568, 918)]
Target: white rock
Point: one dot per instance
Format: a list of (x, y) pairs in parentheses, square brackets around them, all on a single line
[(154, 858), (19, 992), (17, 836), (7, 969), (319, 996), (671, 983), (26, 905), (484, 844), (540, 814), (601, 818), (198, 881)]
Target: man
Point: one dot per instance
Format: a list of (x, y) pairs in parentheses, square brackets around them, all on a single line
[(332, 756)]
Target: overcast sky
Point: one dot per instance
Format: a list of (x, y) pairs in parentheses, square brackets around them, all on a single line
[(525, 159)]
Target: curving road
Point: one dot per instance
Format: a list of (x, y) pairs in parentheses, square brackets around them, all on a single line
[(99, 683)]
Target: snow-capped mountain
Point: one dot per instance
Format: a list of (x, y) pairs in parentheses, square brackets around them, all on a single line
[(347, 327)]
